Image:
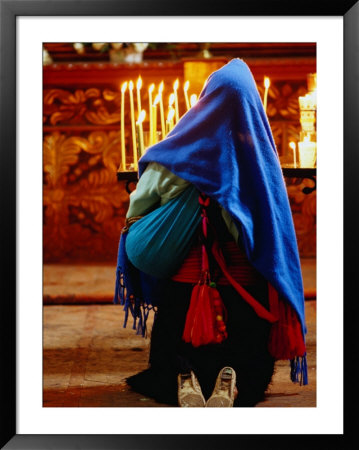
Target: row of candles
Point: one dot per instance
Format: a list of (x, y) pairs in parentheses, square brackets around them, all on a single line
[(155, 101), (307, 147), (307, 144)]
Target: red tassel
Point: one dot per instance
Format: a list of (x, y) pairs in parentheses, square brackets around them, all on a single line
[(187, 333), (205, 320), (206, 316), (286, 338), (202, 331)]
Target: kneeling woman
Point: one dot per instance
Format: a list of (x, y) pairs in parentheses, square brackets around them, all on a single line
[(209, 244)]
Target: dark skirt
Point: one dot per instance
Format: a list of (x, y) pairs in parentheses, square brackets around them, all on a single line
[(245, 349)]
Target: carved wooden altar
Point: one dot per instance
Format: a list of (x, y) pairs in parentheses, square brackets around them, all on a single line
[(84, 203)]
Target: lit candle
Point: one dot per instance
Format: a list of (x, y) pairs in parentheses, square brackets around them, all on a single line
[(185, 90), (175, 87), (193, 99), (292, 146), (170, 102), (160, 90), (138, 87), (171, 111), (266, 85), (133, 125), (123, 148), (150, 90), (139, 127), (169, 121), (307, 152), (154, 119)]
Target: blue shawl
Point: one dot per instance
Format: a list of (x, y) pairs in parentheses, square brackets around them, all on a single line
[(224, 147)]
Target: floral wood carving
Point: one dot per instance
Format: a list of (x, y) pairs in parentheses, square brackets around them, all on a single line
[(283, 112), (303, 208), (84, 205)]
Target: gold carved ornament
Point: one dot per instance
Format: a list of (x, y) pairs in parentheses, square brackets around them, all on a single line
[(82, 198), (82, 106)]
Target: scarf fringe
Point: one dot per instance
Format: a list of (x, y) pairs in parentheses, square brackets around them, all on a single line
[(119, 297), (132, 305), (299, 370)]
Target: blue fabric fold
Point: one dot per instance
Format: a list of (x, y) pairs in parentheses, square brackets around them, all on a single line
[(224, 147)]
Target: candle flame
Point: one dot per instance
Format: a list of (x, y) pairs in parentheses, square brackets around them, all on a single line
[(175, 85), (124, 87), (170, 115), (130, 86), (186, 86), (193, 99), (139, 83), (171, 99), (266, 82), (160, 88), (292, 145), (141, 116), (157, 99), (150, 89)]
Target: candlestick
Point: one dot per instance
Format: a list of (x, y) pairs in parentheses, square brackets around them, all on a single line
[(307, 152), (138, 134), (171, 100), (154, 116), (193, 100), (169, 121), (292, 146), (266, 85), (139, 127), (150, 90), (185, 90), (175, 87), (123, 148), (138, 87), (160, 90), (168, 127), (133, 126)]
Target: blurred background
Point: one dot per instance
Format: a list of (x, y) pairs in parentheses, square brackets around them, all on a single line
[(85, 86)]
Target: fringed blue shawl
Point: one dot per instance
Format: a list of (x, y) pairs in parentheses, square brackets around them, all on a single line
[(137, 291), (224, 147)]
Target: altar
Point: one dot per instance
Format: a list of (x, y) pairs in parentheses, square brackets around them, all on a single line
[(92, 124)]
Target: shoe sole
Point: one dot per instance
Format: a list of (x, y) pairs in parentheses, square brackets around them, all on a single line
[(224, 399), (192, 399)]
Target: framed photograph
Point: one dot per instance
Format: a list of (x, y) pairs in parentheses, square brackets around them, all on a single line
[(25, 27)]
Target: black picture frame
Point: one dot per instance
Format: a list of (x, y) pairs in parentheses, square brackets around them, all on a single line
[(9, 10)]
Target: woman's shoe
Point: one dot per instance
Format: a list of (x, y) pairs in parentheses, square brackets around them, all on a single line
[(224, 390), (189, 391)]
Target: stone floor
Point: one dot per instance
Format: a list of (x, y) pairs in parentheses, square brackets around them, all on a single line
[(76, 284), (88, 354)]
